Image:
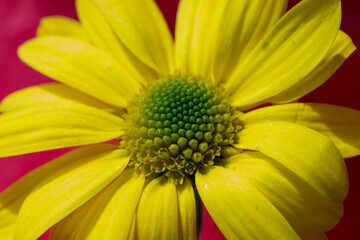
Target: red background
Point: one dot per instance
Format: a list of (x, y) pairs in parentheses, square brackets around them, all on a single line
[(18, 22)]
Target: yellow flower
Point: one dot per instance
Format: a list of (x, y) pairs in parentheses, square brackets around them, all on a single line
[(180, 111)]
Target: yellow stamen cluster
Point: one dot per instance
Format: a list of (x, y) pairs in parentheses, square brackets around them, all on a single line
[(177, 126)]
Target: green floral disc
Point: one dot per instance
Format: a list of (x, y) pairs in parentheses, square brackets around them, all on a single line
[(178, 126)]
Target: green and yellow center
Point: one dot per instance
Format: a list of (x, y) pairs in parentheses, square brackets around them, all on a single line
[(179, 125)]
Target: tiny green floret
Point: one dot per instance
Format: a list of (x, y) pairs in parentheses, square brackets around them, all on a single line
[(178, 125)]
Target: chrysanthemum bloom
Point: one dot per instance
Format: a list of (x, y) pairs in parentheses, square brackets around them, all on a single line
[(181, 113)]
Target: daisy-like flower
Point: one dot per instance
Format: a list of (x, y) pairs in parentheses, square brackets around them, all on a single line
[(182, 112)]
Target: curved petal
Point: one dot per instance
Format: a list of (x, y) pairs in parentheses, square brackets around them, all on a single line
[(305, 152), (109, 215), (13, 197), (48, 126), (46, 93), (147, 34), (340, 124), (157, 214), (102, 35), (304, 207), (132, 230), (187, 210), (82, 67), (213, 36), (238, 208), (65, 190), (61, 26), (292, 49), (339, 52)]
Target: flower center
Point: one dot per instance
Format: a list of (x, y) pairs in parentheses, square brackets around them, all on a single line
[(178, 126)]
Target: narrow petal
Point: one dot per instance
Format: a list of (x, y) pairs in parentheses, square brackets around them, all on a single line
[(48, 126), (238, 208), (102, 35), (242, 27), (307, 153), (339, 52), (13, 197), (292, 49), (304, 207), (340, 124), (212, 36), (61, 26), (132, 230), (109, 215), (82, 67), (147, 34), (187, 210), (157, 214), (46, 93), (65, 190)]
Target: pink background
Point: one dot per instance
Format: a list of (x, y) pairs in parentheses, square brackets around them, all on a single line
[(18, 22)]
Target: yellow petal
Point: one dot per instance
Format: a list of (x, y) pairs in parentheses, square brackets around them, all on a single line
[(249, 22), (147, 34), (157, 214), (292, 49), (213, 36), (132, 230), (304, 207), (45, 93), (340, 124), (238, 208), (61, 26), (307, 153), (339, 52), (47, 126), (82, 67), (103, 36), (13, 197), (7, 232), (65, 190), (187, 210), (109, 215)]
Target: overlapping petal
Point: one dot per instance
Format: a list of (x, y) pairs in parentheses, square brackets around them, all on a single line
[(339, 52), (61, 26), (126, 45), (109, 215), (81, 66), (304, 207), (46, 93), (340, 124), (213, 36), (238, 208), (303, 151), (187, 210), (55, 125), (147, 34), (13, 197), (157, 213), (291, 50), (103, 36), (65, 190)]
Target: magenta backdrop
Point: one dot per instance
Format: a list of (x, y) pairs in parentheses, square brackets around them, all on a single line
[(18, 22)]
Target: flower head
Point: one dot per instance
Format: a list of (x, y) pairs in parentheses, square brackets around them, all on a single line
[(181, 111)]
